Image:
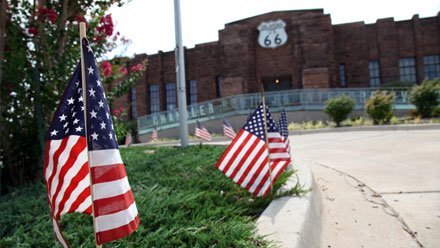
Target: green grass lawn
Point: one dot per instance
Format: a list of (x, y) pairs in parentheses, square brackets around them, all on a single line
[(183, 201)]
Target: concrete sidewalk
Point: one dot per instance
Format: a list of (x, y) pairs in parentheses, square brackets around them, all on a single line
[(379, 188)]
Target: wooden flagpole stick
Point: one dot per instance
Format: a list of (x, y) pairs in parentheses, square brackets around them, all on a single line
[(267, 138), (82, 35)]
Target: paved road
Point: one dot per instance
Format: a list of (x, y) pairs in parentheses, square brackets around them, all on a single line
[(380, 188)]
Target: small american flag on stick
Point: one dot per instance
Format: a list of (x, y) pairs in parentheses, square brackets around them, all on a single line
[(284, 130), (201, 132), (128, 139), (83, 169), (154, 135), (228, 131), (246, 159)]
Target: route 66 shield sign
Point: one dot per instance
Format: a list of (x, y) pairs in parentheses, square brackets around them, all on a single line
[(272, 34)]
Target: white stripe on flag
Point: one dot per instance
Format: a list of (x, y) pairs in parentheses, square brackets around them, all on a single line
[(84, 205), (54, 145), (248, 161), (83, 184), (73, 171), (259, 179), (234, 148), (110, 189), (64, 156), (105, 157), (279, 155), (277, 145), (240, 156), (115, 220), (261, 160), (58, 234)]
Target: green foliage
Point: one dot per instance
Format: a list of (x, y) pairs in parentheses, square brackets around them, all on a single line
[(183, 201), (338, 108), (41, 50), (436, 112), (380, 107), (426, 97)]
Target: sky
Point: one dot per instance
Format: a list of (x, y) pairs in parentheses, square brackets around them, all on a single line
[(150, 24)]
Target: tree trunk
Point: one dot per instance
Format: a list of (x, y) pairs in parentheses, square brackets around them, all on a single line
[(3, 18)]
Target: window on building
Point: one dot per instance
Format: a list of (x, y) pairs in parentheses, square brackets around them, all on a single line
[(342, 75), (154, 98), (133, 103), (192, 91), (217, 86), (171, 95), (407, 70), (373, 67), (431, 65)]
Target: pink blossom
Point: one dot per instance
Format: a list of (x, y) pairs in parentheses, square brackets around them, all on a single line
[(116, 112), (48, 13), (33, 31), (136, 67), (107, 67), (123, 71), (105, 25)]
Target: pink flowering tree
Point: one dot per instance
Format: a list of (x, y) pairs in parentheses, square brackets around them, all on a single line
[(39, 49)]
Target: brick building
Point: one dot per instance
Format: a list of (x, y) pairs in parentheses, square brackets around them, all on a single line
[(316, 54)]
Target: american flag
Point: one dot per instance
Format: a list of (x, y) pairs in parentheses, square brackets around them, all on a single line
[(128, 139), (246, 159), (202, 132), (154, 134), (73, 164), (228, 131), (284, 130)]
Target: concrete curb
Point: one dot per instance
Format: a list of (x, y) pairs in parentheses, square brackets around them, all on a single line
[(368, 128), (224, 140), (294, 221)]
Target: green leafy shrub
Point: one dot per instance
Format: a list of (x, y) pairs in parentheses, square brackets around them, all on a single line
[(425, 97), (436, 112), (380, 107), (338, 108)]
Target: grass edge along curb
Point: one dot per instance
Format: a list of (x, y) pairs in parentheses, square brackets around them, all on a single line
[(183, 201)]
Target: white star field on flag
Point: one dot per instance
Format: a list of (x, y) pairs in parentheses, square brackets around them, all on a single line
[(70, 114), (255, 124)]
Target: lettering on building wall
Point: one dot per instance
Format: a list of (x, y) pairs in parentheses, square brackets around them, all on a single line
[(276, 100)]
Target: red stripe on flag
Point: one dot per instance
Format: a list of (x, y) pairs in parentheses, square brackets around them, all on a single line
[(113, 204), (246, 157), (252, 164), (107, 173), (81, 198), (237, 152), (55, 158), (76, 149), (82, 173), (117, 233), (255, 177)]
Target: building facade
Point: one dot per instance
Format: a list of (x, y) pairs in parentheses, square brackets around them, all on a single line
[(292, 50)]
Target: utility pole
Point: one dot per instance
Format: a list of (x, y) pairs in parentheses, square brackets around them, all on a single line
[(180, 76)]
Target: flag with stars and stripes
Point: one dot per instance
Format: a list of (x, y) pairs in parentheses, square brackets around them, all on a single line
[(282, 123), (251, 162), (201, 132), (83, 166), (154, 136), (228, 131)]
